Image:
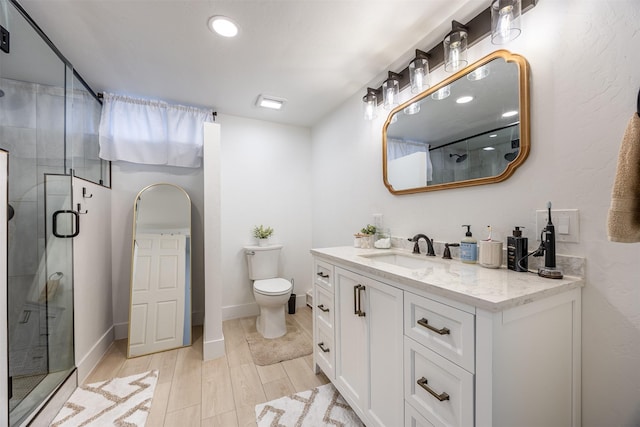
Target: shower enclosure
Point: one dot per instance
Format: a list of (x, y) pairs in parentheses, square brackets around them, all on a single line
[(48, 125)]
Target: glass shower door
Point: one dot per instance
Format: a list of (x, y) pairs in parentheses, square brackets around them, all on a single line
[(40, 270)]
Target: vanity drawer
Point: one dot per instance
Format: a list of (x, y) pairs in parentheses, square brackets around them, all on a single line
[(412, 417), (325, 355), (440, 390), (444, 329), (323, 275), (323, 309)]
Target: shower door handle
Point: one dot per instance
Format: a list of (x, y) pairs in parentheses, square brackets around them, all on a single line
[(76, 222)]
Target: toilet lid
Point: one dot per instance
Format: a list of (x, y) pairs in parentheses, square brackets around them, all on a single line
[(277, 286)]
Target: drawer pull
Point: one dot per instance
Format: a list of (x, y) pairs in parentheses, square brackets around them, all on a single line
[(322, 347), (323, 308), (422, 382), (424, 322), (324, 276), (357, 306)]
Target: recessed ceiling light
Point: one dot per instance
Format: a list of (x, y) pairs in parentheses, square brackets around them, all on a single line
[(510, 114), (464, 99), (493, 135), (223, 26), (488, 148), (271, 102)]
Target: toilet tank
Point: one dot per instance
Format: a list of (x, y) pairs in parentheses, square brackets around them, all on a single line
[(262, 261)]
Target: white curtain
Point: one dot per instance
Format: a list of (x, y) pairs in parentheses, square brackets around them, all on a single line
[(151, 132), (397, 148)]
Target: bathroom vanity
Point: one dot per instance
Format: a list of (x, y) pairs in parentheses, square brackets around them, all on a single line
[(419, 341)]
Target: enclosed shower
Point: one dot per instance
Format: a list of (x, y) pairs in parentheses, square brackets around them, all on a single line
[(48, 125)]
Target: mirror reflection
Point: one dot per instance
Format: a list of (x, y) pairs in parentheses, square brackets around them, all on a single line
[(471, 129), (160, 309)]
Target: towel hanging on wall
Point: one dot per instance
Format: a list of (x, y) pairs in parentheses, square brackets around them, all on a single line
[(151, 132), (623, 223)]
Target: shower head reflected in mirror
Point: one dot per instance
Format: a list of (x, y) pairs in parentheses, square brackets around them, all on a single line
[(460, 157), (511, 156)]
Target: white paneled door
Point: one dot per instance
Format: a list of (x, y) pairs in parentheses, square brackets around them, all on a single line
[(157, 293)]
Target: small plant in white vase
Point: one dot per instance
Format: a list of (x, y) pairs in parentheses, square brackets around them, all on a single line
[(262, 233), (366, 236)]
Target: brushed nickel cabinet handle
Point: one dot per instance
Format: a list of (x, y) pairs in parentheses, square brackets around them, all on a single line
[(424, 322), (422, 382), (322, 347), (323, 308), (321, 274)]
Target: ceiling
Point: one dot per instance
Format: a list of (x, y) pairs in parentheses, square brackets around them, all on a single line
[(314, 53)]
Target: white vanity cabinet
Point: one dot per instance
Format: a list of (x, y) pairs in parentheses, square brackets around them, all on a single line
[(324, 354), (407, 351), (369, 347)]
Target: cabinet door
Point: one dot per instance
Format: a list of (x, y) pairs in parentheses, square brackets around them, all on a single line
[(351, 339), (385, 406)]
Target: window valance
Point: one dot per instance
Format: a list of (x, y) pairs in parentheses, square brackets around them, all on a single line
[(151, 132)]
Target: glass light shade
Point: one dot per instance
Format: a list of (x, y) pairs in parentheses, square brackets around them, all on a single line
[(441, 93), (419, 75), (455, 50), (390, 93), (505, 20), (370, 106)]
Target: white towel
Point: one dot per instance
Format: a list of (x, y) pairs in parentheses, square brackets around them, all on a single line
[(623, 223)]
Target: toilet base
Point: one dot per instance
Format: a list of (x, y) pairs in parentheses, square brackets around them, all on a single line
[(271, 322)]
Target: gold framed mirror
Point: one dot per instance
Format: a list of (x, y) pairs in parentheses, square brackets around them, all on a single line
[(160, 291), (470, 129)]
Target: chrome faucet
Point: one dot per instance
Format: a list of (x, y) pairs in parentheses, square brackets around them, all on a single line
[(416, 246)]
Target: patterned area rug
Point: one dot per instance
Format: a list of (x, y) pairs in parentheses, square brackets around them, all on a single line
[(295, 343), (321, 406), (117, 402)]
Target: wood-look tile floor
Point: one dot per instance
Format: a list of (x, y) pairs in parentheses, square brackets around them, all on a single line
[(221, 392)]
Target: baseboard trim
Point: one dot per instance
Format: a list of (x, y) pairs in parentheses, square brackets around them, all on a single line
[(213, 349), (90, 360), (121, 330), (238, 311)]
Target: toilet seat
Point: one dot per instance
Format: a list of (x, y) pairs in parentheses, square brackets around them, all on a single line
[(277, 286)]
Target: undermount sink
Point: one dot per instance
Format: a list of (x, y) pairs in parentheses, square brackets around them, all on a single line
[(400, 260)]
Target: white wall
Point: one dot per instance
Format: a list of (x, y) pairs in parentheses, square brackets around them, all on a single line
[(585, 64), (93, 313), (265, 178), (127, 180)]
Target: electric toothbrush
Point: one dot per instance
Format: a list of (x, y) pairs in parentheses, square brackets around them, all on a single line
[(548, 238)]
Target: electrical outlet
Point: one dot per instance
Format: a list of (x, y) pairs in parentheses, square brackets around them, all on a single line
[(565, 221)]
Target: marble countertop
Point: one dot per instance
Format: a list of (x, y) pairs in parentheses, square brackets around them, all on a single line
[(486, 288)]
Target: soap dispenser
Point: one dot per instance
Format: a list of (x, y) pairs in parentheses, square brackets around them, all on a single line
[(468, 247), (517, 247)]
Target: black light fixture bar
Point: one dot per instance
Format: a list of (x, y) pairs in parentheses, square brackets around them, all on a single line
[(477, 28)]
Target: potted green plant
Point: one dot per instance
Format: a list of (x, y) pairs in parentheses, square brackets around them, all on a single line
[(365, 237), (262, 233)]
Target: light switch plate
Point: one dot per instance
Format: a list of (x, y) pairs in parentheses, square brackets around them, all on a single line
[(566, 222)]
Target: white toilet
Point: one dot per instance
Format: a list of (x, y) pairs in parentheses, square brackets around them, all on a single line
[(271, 292)]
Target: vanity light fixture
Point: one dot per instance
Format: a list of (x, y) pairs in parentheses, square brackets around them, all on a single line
[(441, 93), (464, 99), (270, 102), (505, 20), (452, 51), (509, 114), (419, 72), (223, 26), (370, 104), (391, 91), (455, 47)]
